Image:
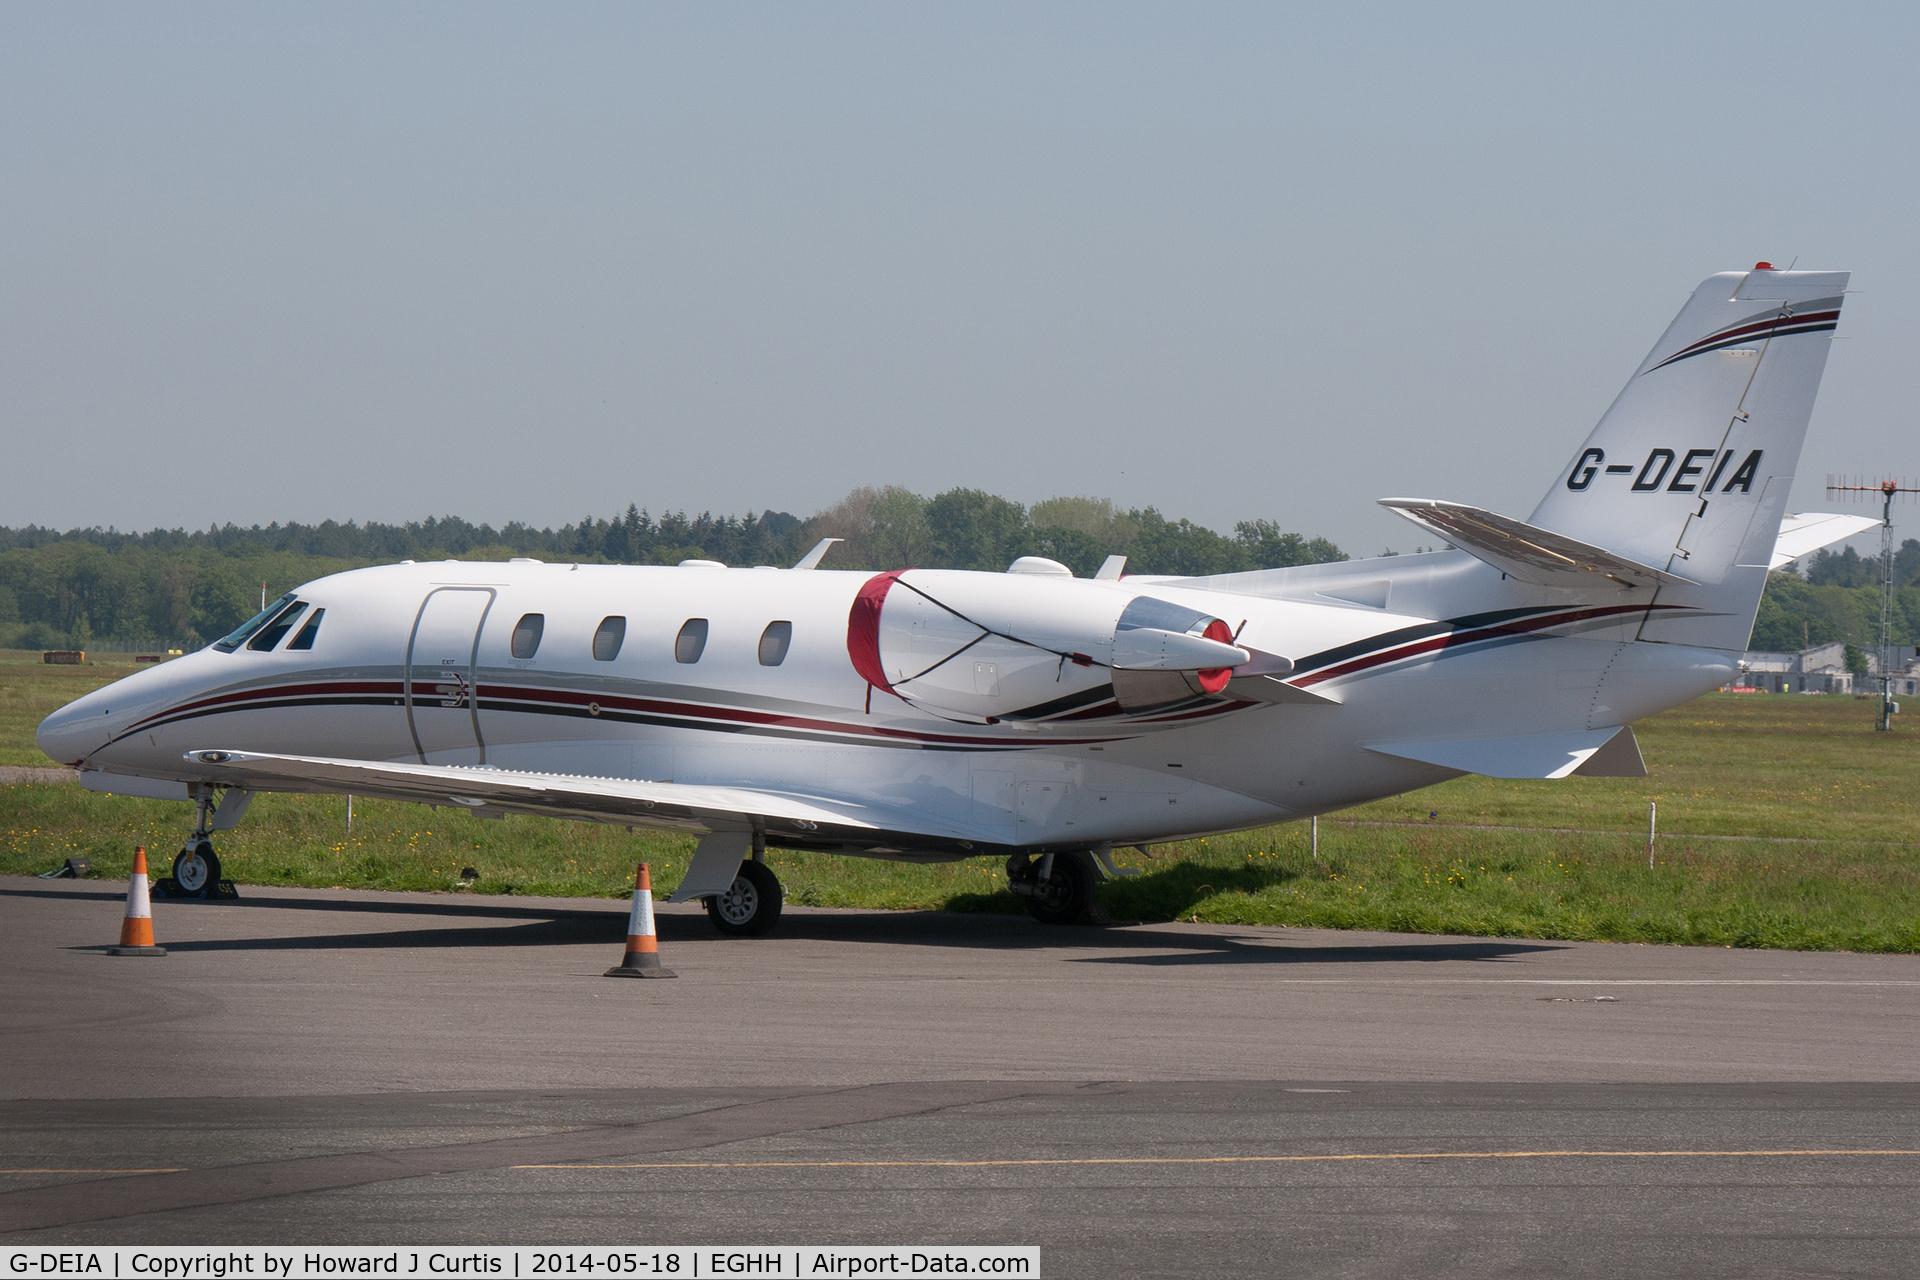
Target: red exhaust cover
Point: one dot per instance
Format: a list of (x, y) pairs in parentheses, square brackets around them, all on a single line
[(1214, 679)]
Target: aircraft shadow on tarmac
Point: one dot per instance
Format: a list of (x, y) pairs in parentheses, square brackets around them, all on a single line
[(1223, 950), (541, 925)]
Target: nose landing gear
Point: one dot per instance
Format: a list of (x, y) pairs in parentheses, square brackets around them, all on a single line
[(196, 868)]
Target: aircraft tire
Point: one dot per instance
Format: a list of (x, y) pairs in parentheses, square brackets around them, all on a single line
[(1065, 896), (750, 907), (196, 868)]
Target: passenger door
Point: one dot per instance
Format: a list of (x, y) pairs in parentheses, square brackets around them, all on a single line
[(442, 709)]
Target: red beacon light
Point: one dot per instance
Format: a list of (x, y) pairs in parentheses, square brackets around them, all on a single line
[(1763, 266)]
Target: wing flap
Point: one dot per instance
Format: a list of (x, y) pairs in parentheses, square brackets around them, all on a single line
[(1588, 753), (1525, 551)]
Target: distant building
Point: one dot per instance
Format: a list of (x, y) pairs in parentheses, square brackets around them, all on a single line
[(1907, 678), (1821, 669)]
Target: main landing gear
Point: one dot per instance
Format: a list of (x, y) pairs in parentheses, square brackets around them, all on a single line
[(1058, 887), (750, 906)]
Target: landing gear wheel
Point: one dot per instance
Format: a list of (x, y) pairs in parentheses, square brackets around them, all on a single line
[(196, 868), (750, 906), (1066, 895)]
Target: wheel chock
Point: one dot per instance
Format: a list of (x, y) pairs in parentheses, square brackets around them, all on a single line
[(224, 891)]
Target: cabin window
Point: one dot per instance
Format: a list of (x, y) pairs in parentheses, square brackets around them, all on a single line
[(774, 642), (691, 642), (271, 635), (526, 634), (253, 624), (305, 639), (608, 639)]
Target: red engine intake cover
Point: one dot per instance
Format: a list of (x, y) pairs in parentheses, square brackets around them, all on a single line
[(863, 629)]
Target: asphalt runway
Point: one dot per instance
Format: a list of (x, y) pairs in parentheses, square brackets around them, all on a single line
[(333, 1067)]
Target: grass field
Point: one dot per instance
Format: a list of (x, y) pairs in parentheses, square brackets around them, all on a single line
[(1835, 805), (31, 691)]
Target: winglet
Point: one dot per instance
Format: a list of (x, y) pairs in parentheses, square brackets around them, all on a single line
[(811, 560)]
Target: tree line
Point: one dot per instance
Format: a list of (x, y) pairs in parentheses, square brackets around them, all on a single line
[(182, 588), (1835, 595)]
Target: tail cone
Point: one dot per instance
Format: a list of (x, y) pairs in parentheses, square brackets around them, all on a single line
[(136, 930), (642, 959)]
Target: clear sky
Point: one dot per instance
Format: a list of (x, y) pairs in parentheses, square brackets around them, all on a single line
[(292, 262)]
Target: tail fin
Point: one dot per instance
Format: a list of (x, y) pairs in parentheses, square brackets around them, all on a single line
[(1688, 472)]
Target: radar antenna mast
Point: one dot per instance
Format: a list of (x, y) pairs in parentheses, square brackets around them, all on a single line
[(1887, 490)]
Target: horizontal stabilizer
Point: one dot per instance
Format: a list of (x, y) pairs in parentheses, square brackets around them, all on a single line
[(1525, 551), (1582, 753), (491, 792), (1804, 534)]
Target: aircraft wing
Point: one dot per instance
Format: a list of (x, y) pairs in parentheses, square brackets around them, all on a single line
[(631, 802), (1812, 530), (1525, 551)]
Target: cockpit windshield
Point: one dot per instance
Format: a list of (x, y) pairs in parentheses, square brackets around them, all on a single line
[(275, 631), (253, 624), (307, 633)]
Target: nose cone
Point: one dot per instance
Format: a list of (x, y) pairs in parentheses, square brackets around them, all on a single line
[(76, 730)]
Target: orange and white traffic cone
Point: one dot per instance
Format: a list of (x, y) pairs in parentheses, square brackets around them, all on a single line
[(643, 944), (136, 931)]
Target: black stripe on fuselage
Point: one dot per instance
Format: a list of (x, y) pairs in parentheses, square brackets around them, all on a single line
[(268, 703), (1406, 635), (1060, 706), (583, 713), (734, 726)]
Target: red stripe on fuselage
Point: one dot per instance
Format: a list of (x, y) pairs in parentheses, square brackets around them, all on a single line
[(335, 688), (1454, 638), (266, 698), (734, 715)]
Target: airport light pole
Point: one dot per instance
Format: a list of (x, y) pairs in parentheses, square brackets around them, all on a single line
[(1888, 490)]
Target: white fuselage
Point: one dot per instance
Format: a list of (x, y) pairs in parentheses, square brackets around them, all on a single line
[(414, 663)]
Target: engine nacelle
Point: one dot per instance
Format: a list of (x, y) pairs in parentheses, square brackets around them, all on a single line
[(1028, 646)]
